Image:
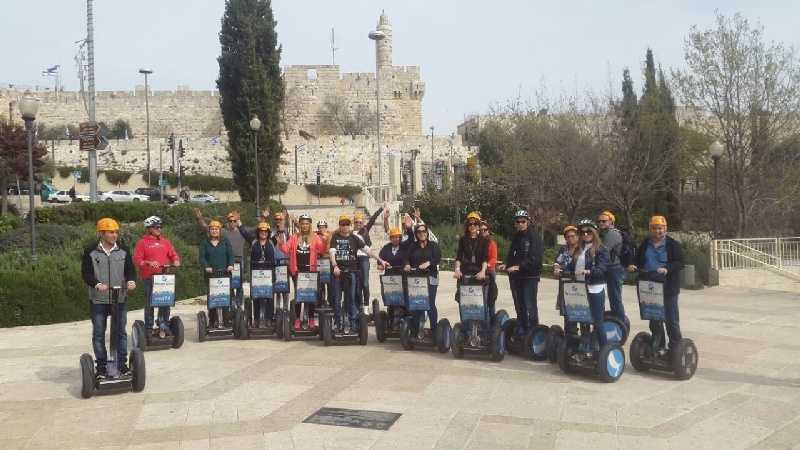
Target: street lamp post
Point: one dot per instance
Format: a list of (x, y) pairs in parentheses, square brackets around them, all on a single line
[(433, 180), (147, 72), (378, 36), (255, 125), (29, 106), (716, 150)]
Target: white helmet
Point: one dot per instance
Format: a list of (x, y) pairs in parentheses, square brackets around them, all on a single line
[(152, 221), (322, 223)]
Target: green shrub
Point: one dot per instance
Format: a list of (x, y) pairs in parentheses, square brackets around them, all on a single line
[(49, 238), (330, 190), (117, 176), (9, 222), (195, 182)]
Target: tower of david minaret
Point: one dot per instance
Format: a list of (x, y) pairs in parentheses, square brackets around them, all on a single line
[(384, 47)]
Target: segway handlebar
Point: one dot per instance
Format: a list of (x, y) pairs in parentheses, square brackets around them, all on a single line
[(167, 269), (114, 291), (219, 274), (652, 276)]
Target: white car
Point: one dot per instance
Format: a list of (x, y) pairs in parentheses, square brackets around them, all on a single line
[(123, 196), (203, 198), (63, 197)]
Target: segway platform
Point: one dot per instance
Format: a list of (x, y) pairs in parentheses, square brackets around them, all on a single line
[(306, 294), (647, 352), (477, 332), (114, 382), (219, 296), (163, 295), (413, 332), (580, 353), (393, 295)]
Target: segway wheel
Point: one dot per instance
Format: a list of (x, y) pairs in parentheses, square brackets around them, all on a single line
[(684, 359), (176, 326), (381, 323), (458, 341), (563, 356), (327, 329), (138, 336), (611, 362), (615, 329), (536, 343), (442, 336), (279, 324), (405, 334), (554, 338), (500, 318), (287, 323), (363, 329), (238, 318), (137, 369), (376, 309), (510, 327), (202, 326), (88, 376), (497, 344), (248, 312), (640, 346)]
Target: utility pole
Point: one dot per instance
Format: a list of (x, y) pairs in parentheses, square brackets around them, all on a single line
[(91, 105), (147, 72)]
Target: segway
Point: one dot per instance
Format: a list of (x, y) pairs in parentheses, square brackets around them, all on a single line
[(281, 290), (306, 293), (477, 332), (163, 295), (556, 333), (579, 352), (219, 297), (387, 323), (114, 382), (358, 333), (648, 352), (261, 289), (530, 344), (413, 330)]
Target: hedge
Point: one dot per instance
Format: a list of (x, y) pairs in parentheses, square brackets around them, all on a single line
[(194, 182), (330, 190)]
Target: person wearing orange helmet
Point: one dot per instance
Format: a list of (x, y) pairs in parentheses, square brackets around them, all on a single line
[(216, 255), (105, 265), (661, 256)]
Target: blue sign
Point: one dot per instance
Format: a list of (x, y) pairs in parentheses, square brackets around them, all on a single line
[(219, 292), (163, 293), (324, 269), (307, 287), (236, 276), (576, 303), (471, 304), (261, 284), (392, 290), (418, 299), (651, 300), (281, 285)]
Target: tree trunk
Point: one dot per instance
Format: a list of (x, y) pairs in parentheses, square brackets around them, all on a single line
[(4, 188)]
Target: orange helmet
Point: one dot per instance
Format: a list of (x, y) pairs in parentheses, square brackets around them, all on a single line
[(214, 224), (395, 232), (609, 214), (569, 228), (345, 218), (263, 226), (278, 215), (474, 215), (107, 224), (658, 220)]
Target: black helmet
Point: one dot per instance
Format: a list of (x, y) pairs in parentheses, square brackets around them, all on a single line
[(522, 214), (587, 223)]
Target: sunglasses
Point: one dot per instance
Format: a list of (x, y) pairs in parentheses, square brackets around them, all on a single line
[(484, 230), (603, 221), (344, 224), (473, 224), (584, 232), (522, 221), (422, 231)]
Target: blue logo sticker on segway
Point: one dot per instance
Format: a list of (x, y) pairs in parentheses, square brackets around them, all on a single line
[(471, 302), (613, 331), (163, 291), (418, 294), (281, 285), (219, 293), (615, 363), (236, 276), (261, 283), (307, 285), (538, 343), (576, 303), (651, 300)]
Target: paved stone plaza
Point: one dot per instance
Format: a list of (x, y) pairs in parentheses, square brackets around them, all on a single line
[(256, 394)]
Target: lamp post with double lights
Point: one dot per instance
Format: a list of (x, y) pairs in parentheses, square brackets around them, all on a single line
[(255, 125), (28, 107)]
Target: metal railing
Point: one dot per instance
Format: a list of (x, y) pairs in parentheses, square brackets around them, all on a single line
[(778, 255)]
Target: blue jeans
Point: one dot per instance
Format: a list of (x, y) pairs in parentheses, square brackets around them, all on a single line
[(492, 276), (672, 322), (362, 291), (433, 314), (163, 311), (99, 314), (347, 283), (614, 279), (524, 291), (597, 304)]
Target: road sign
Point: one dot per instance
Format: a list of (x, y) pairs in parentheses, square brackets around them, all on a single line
[(87, 136)]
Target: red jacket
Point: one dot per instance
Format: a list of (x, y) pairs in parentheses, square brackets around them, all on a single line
[(491, 262), (149, 248), (290, 248)]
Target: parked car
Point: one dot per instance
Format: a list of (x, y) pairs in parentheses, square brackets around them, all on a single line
[(154, 194), (122, 196), (203, 198), (63, 197)]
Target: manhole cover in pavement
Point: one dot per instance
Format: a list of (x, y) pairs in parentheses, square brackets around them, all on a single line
[(355, 418)]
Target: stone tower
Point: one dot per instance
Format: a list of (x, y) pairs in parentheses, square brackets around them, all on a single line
[(383, 48)]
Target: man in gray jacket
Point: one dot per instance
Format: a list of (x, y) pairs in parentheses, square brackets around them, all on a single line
[(615, 275), (104, 266)]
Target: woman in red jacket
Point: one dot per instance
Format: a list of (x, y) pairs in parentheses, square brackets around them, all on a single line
[(302, 249)]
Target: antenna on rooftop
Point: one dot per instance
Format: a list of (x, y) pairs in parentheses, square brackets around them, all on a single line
[(333, 47)]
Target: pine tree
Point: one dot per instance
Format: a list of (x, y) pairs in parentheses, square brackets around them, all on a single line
[(250, 84)]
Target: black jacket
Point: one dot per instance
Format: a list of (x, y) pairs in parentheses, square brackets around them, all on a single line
[(417, 255), (526, 251), (598, 266), (672, 284), (472, 253)]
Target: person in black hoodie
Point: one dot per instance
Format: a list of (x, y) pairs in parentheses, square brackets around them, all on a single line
[(425, 255), (524, 267), (661, 256)]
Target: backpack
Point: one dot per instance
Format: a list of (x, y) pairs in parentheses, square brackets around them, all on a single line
[(627, 254)]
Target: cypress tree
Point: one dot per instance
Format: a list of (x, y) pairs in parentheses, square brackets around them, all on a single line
[(250, 84)]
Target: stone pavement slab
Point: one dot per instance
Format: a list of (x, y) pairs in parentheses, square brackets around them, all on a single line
[(256, 394)]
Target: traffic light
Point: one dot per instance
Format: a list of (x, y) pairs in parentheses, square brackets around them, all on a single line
[(181, 152), (171, 141)]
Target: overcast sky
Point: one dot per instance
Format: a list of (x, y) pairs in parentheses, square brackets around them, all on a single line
[(473, 53)]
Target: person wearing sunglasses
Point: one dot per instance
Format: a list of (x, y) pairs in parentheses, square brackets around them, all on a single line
[(562, 262), (524, 267), (362, 230), (612, 239), (425, 255), (152, 253), (472, 255), (491, 268), (589, 264)]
